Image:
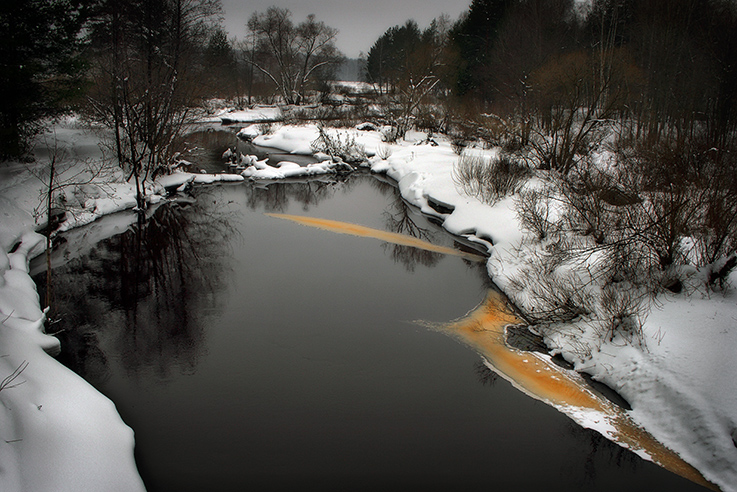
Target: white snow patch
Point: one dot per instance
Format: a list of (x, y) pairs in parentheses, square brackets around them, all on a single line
[(255, 114), (58, 433)]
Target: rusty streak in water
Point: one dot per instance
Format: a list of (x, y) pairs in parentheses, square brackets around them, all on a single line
[(483, 330), (389, 237)]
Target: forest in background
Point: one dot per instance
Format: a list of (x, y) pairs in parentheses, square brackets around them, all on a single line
[(630, 104)]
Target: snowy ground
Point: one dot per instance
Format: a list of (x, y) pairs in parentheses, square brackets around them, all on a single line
[(682, 384), (258, 114)]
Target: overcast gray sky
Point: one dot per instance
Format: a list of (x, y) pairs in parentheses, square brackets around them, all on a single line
[(360, 22)]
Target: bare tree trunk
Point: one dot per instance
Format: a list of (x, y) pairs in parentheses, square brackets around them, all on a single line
[(49, 200)]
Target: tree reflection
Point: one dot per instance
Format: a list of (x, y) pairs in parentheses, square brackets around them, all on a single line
[(401, 218), (598, 453), (276, 196), (485, 375), (145, 293), (398, 218)]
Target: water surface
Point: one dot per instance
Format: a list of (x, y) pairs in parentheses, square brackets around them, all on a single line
[(249, 352)]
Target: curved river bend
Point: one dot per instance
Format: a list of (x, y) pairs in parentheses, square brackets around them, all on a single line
[(252, 353)]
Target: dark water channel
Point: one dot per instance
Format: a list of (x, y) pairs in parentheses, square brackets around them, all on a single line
[(251, 353), (204, 148)]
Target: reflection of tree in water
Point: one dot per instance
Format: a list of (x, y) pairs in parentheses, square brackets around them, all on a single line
[(600, 451), (399, 218), (485, 374), (276, 196), (143, 293)]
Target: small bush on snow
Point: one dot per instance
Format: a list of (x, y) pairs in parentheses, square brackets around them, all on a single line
[(383, 152), (551, 288), (339, 145), (534, 212), (489, 178)]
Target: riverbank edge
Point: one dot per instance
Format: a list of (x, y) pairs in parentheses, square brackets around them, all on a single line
[(412, 184)]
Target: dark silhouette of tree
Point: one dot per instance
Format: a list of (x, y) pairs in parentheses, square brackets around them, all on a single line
[(145, 75), (408, 64), (220, 67), (41, 66), (474, 36), (292, 57)]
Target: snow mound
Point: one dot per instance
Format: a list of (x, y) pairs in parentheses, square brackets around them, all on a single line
[(59, 433)]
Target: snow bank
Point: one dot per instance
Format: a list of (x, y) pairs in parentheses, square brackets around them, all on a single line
[(287, 169), (291, 139), (683, 385), (298, 139), (257, 114), (58, 433)]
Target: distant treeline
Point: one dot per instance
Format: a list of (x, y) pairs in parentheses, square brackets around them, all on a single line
[(667, 64)]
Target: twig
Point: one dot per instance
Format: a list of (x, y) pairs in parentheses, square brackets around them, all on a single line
[(8, 381)]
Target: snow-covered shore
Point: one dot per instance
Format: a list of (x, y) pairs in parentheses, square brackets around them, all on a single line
[(58, 432), (682, 384)]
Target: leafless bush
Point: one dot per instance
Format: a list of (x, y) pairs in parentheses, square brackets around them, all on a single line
[(458, 144), (489, 179), (550, 289), (534, 211), (339, 145), (621, 312), (559, 285), (383, 152), (390, 134)]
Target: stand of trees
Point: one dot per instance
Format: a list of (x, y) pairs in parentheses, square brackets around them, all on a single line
[(40, 65), (409, 64), (146, 62), (665, 67)]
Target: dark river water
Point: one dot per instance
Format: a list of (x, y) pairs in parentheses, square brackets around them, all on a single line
[(252, 353)]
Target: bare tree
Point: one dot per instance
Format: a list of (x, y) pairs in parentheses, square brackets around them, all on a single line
[(60, 176), (291, 56), (140, 88)]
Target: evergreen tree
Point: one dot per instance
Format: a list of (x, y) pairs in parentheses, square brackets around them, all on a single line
[(40, 65), (474, 35)]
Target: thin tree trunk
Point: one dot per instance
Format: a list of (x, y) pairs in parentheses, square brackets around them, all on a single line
[(49, 200)]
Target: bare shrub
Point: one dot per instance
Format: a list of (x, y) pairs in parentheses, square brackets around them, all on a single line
[(389, 134), (339, 146), (621, 312), (534, 211), (551, 289), (383, 152), (489, 178), (595, 201), (458, 144)]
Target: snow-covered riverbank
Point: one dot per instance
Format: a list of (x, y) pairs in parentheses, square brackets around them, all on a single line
[(682, 384)]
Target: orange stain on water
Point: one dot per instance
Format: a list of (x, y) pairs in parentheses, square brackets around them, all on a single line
[(363, 231), (483, 330), (538, 377)]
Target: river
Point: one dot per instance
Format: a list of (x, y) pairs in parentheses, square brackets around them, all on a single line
[(251, 352)]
